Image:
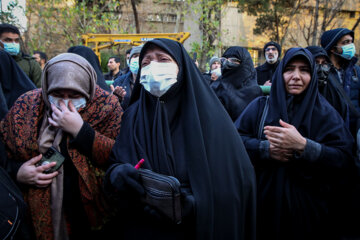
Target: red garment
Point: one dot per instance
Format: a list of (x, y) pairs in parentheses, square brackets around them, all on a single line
[(20, 131)]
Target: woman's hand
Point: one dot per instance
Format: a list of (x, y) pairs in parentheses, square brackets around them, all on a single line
[(285, 137), (118, 91), (280, 154), (68, 119), (30, 174)]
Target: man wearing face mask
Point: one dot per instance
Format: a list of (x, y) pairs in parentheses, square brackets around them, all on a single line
[(126, 81), (10, 39), (339, 44), (272, 52)]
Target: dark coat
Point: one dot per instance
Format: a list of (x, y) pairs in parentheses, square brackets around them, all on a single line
[(207, 77), (109, 76), (265, 72), (296, 198), (31, 68), (351, 84), (126, 82)]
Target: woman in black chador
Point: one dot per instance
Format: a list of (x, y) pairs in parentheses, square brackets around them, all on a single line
[(237, 86), (176, 123), (300, 156)]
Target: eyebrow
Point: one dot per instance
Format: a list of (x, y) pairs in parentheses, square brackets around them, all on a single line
[(301, 66)]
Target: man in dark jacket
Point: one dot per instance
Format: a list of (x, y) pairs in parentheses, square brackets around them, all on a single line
[(114, 68), (10, 38), (126, 81), (339, 44), (272, 52)]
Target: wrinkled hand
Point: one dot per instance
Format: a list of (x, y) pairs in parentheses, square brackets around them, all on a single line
[(118, 91), (124, 177), (280, 154), (267, 83), (30, 174), (285, 137), (68, 119)]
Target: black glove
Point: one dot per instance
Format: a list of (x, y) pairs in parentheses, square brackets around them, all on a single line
[(187, 203), (124, 178), (155, 214)]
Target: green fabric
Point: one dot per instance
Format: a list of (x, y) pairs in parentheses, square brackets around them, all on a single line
[(265, 89), (31, 68)]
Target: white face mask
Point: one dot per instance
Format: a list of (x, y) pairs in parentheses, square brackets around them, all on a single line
[(157, 78), (272, 60), (77, 102)]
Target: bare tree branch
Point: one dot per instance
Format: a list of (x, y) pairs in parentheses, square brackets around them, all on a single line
[(136, 17)]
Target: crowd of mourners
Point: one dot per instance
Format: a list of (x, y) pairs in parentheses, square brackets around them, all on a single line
[(169, 152)]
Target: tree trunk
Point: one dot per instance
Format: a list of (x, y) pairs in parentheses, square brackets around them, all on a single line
[(137, 25), (316, 19), (356, 24), (277, 26)]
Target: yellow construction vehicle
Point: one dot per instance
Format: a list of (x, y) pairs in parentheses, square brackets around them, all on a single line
[(102, 41)]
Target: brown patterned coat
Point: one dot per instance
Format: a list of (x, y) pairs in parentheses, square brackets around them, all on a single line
[(20, 129)]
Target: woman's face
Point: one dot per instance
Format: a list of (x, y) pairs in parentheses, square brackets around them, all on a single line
[(66, 94), (297, 76), (156, 54)]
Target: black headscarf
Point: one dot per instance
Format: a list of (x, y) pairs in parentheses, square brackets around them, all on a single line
[(317, 51), (14, 82), (332, 90), (245, 74), (237, 87), (294, 196), (312, 107), (186, 133), (89, 55)]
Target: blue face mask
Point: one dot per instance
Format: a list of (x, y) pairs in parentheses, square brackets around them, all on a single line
[(348, 51), (134, 65), (12, 48)]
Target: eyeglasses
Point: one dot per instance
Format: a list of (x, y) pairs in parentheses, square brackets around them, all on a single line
[(232, 60), (270, 48)]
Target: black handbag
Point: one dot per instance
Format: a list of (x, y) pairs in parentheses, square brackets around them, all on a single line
[(162, 193), (12, 207)]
